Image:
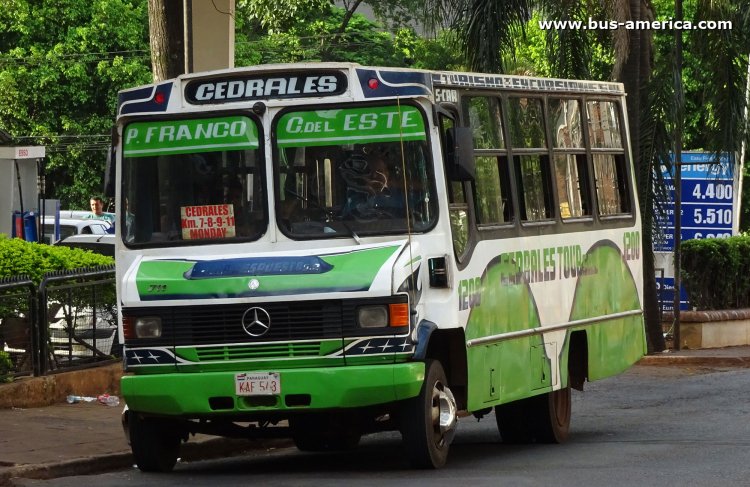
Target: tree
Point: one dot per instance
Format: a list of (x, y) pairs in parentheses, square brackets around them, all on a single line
[(61, 65), (309, 38), (316, 30), (166, 27), (275, 15)]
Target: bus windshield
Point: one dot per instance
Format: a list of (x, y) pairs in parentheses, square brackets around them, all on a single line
[(353, 171), (192, 181)]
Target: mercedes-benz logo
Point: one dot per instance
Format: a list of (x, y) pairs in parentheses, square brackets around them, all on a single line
[(256, 322)]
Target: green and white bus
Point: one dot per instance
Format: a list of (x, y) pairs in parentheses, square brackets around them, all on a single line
[(324, 250)]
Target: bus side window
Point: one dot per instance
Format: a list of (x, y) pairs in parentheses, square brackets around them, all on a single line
[(611, 186), (492, 198), (570, 162), (531, 158), (492, 187), (608, 154)]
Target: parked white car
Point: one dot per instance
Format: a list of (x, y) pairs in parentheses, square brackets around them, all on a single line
[(99, 244), (71, 226)]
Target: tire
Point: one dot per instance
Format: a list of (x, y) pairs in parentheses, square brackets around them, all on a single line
[(542, 419), (513, 422), (428, 421), (155, 443), (552, 414)]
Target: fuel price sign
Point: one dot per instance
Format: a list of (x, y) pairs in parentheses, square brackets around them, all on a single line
[(708, 200)]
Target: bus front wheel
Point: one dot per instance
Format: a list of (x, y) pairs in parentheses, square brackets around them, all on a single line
[(428, 421), (155, 443)]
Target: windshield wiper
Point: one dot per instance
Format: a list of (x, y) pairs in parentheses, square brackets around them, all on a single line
[(352, 233)]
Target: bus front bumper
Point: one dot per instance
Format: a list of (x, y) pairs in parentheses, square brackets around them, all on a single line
[(212, 393)]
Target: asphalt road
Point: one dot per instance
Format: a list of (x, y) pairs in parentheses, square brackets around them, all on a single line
[(652, 426)]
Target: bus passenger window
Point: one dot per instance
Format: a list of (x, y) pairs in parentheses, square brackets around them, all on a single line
[(608, 157), (570, 164), (526, 123), (611, 186), (486, 124), (571, 176), (492, 197), (565, 118), (492, 188), (534, 192), (604, 125)]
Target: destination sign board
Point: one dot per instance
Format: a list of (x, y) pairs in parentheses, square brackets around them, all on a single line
[(249, 87)]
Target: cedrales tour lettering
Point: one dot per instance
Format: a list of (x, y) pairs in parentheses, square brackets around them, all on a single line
[(255, 88)]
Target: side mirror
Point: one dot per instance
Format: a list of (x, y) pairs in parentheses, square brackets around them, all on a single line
[(109, 171), (461, 161)]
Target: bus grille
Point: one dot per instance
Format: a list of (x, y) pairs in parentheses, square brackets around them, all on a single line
[(301, 320), (298, 350)]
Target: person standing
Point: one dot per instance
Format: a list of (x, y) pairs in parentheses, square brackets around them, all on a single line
[(97, 211)]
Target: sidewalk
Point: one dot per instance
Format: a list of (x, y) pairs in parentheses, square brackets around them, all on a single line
[(44, 437), (49, 441), (703, 357), (86, 438)]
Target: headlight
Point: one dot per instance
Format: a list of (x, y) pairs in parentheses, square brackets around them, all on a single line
[(148, 327), (372, 316)]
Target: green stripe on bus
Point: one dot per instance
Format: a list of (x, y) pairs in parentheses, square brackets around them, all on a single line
[(352, 271)]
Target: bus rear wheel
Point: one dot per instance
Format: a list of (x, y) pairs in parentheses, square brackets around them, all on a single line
[(543, 419), (428, 421), (155, 443), (514, 422), (552, 416)]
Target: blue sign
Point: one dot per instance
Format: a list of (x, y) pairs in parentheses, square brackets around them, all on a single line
[(707, 199), (665, 288)]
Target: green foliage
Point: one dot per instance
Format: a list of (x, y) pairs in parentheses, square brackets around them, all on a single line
[(714, 71), (716, 272), (61, 65), (441, 53), (18, 257), (6, 366), (279, 15), (560, 54), (531, 51), (315, 36)]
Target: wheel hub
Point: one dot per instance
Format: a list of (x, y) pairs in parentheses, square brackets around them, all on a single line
[(447, 413)]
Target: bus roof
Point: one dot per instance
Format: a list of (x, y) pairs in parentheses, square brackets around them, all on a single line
[(319, 80)]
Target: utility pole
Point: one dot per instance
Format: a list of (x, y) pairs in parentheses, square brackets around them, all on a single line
[(679, 122)]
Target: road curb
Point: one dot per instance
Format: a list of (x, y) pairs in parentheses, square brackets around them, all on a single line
[(189, 452), (667, 359)]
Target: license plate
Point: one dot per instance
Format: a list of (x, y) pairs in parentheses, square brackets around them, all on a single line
[(257, 384)]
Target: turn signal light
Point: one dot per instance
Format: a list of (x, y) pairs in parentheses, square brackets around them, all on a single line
[(399, 314), (127, 328)]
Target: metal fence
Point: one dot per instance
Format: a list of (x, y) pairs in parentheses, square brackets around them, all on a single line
[(68, 320), (17, 338)]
